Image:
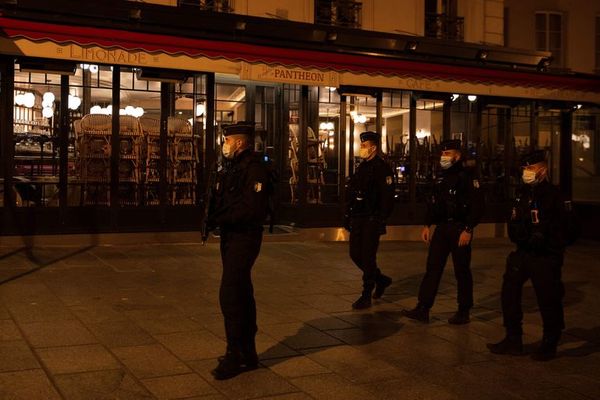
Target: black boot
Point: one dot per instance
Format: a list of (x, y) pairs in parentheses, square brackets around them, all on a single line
[(547, 350), (381, 284), (249, 356), (232, 364), (461, 317), (364, 301), (419, 313), (511, 344)]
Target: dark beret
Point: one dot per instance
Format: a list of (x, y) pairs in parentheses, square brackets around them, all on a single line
[(240, 128), (370, 135), (450, 144), (534, 157)]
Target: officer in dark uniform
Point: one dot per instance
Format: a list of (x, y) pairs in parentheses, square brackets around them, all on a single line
[(240, 209), (370, 203), (536, 227), (455, 206)]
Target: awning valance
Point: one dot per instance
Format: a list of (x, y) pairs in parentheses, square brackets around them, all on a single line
[(290, 57)]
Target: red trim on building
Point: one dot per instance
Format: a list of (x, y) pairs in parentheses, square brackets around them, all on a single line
[(148, 42)]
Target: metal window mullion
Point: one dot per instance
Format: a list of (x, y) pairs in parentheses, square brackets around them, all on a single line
[(115, 145), (63, 145), (303, 145), (412, 131), (163, 164)]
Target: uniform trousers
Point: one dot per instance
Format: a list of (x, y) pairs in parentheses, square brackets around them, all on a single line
[(364, 241), (444, 242), (545, 272), (239, 250)]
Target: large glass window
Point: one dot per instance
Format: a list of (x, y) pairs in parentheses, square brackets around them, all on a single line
[(586, 155), (35, 135), (429, 134), (396, 139), (291, 175), (90, 136), (549, 140), (495, 136), (323, 145)]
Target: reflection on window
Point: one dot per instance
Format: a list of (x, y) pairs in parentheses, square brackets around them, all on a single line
[(549, 141), (323, 146), (395, 138), (291, 95), (429, 133), (586, 155), (90, 137), (35, 136), (495, 131)]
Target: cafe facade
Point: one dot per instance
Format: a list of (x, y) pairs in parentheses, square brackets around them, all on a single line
[(111, 118)]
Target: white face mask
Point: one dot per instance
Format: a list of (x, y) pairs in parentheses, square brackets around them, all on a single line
[(446, 162), (529, 177), (365, 153), (228, 151)]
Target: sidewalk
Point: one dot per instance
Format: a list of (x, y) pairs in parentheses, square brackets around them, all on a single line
[(143, 322)]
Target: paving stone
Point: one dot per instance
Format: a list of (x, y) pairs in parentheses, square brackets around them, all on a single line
[(250, 385), (57, 333), (300, 336), (150, 361), (354, 365), (113, 384), (178, 386), (27, 385), (120, 334), (331, 387), (9, 330), (168, 325), (194, 345), (295, 367), (156, 308), (16, 355), (71, 359), (40, 311)]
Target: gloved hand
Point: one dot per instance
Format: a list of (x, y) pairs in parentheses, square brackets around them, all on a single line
[(347, 223)]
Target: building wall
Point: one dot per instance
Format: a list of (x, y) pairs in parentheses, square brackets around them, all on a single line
[(293, 10), (483, 18), (579, 38), (409, 19)]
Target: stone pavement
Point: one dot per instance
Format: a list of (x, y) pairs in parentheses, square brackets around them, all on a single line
[(142, 322)]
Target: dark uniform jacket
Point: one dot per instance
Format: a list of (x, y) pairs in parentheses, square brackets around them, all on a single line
[(537, 217), (241, 197), (455, 197), (371, 190)]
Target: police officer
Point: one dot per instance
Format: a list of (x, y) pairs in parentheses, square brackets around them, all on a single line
[(536, 227), (455, 206), (240, 208), (370, 203)]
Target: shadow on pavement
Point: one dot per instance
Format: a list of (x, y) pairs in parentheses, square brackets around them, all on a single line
[(40, 263), (361, 329)]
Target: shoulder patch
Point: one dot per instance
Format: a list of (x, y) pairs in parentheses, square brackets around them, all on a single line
[(257, 186), (476, 183), (389, 180)]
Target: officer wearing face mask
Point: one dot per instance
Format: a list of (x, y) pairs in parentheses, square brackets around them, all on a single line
[(455, 206), (370, 201), (241, 203), (535, 225)]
